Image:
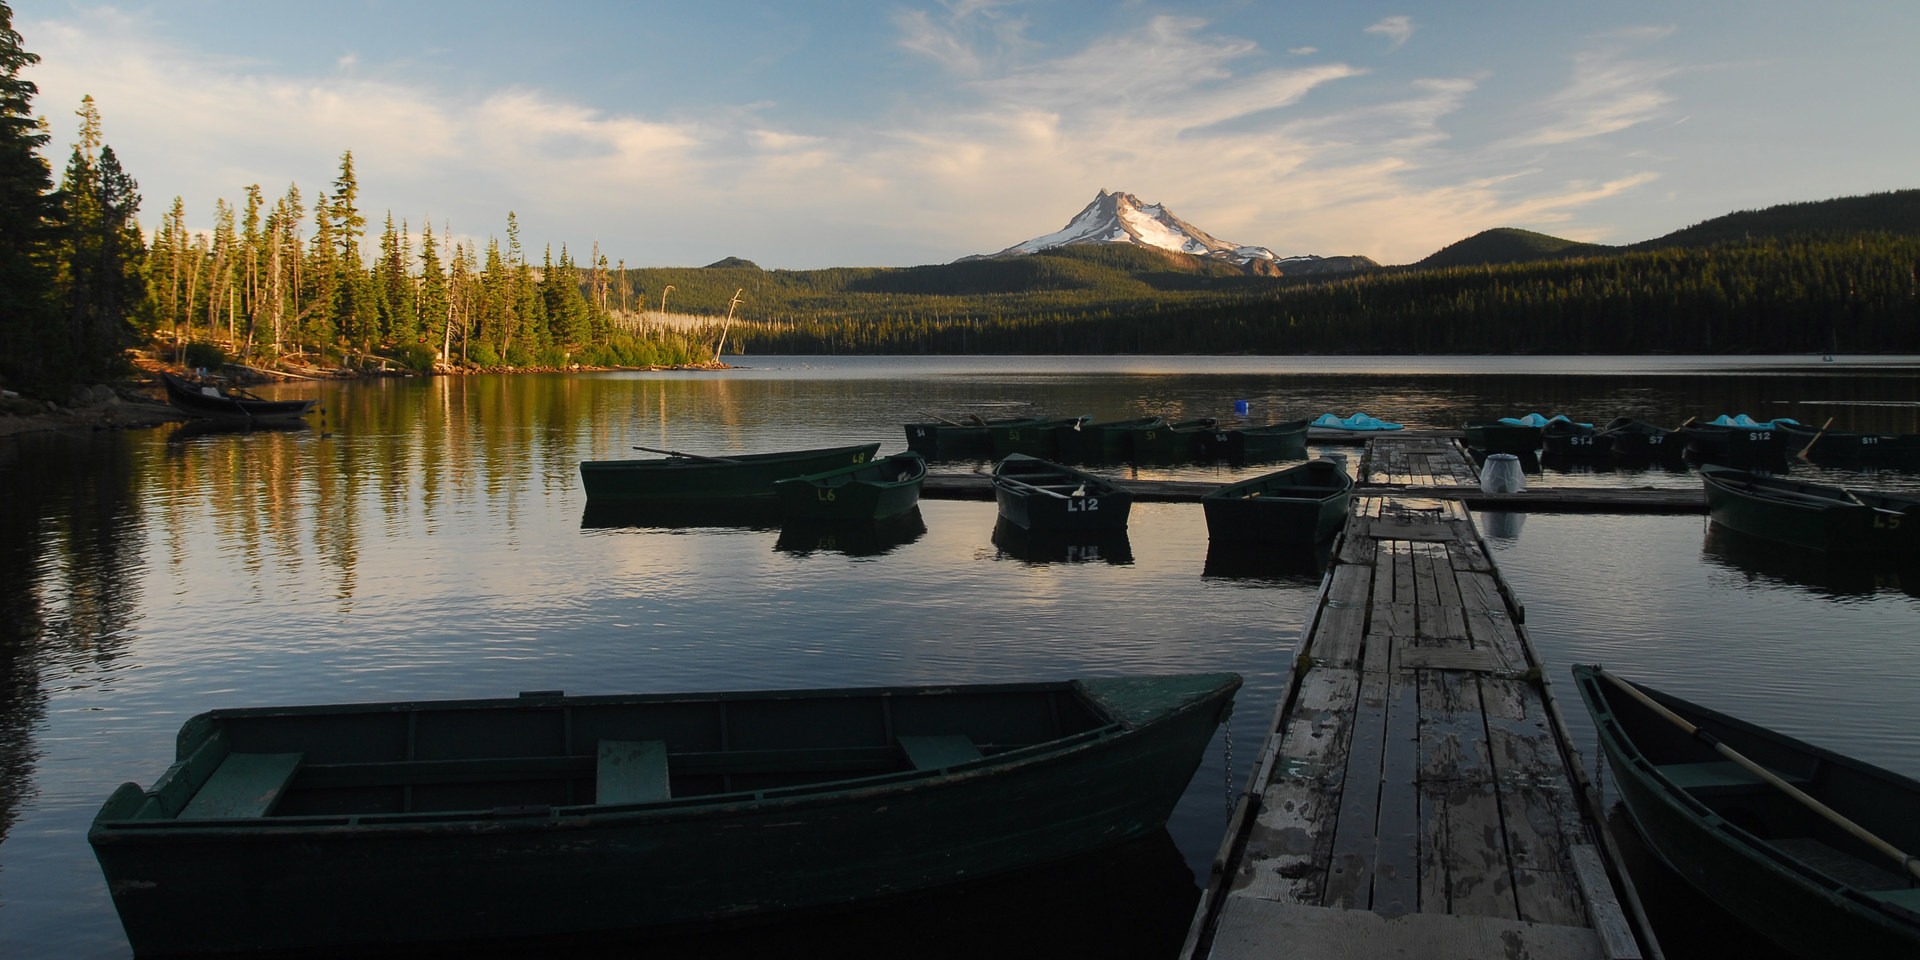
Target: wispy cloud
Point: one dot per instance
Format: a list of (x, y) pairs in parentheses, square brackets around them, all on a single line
[(1609, 91), (1174, 109), (1397, 30)]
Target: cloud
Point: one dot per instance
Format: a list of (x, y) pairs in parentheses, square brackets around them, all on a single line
[(1609, 91), (1396, 29), (1250, 145)]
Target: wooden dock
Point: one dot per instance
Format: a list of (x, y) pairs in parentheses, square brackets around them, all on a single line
[(1462, 488), (1417, 794)]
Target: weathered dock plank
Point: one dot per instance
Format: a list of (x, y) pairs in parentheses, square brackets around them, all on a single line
[(1421, 799)]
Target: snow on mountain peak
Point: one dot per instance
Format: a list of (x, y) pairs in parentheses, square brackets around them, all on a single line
[(1116, 217)]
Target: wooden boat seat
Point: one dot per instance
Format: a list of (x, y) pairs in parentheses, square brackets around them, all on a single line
[(1906, 899), (1720, 778), (631, 771), (244, 785), (940, 752)]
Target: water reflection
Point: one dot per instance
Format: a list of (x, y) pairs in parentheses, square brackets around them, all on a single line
[(1832, 575), (1275, 563), (1130, 900), (194, 429), (677, 515), (1502, 525), (1688, 925), (1042, 547), (70, 538), (855, 538)]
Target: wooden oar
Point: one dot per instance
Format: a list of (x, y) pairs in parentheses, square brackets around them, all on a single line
[(1816, 438), (689, 456), (1833, 816), (950, 423)]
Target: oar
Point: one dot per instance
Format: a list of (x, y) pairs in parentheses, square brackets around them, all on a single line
[(1833, 816), (689, 456), (950, 423), (1816, 438)]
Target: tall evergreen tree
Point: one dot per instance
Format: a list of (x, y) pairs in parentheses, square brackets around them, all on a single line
[(432, 306), (321, 280), (28, 322)]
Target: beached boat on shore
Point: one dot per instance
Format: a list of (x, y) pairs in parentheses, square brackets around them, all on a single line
[(208, 401)]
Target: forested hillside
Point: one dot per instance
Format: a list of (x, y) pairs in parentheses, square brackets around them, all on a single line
[(1859, 294)]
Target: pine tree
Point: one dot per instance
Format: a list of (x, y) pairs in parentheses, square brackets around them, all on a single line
[(320, 281), (432, 306), (28, 322)]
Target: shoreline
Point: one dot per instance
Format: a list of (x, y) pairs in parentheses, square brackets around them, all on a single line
[(131, 403)]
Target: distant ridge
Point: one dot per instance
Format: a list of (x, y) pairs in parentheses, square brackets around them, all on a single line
[(1121, 218), (1895, 212)]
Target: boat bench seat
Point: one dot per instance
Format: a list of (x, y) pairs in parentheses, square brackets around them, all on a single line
[(1906, 899), (940, 752), (1719, 777), (631, 771), (245, 785)]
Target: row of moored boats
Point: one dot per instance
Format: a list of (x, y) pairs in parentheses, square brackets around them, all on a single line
[(1737, 439), (1301, 504)]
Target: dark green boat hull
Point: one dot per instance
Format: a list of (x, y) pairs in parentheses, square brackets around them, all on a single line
[(874, 490), (1067, 768), (694, 479), (1812, 516), (1496, 437), (960, 441), (1028, 439), (1849, 449), (1725, 839), (1111, 442), (1302, 505), (1737, 445), (1265, 444), (1178, 442)]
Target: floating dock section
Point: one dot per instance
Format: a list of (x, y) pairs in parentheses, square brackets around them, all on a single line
[(1417, 794)]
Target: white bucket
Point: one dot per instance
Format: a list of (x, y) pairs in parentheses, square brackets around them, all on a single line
[(1501, 474)]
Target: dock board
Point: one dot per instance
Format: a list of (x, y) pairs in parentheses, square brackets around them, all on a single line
[(1417, 788)]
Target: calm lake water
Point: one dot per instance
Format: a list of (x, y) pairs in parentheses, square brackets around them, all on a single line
[(427, 538)]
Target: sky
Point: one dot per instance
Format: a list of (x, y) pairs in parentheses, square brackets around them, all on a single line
[(813, 134)]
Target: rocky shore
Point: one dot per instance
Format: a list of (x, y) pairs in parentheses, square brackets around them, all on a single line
[(95, 406)]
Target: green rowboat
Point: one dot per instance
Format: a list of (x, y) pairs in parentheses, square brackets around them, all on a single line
[(1808, 882), (873, 490), (1495, 436), (1286, 440), (1028, 439), (1834, 519), (1304, 504), (1109, 441), (1177, 442), (693, 478), (331, 829), (1038, 495), (957, 440)]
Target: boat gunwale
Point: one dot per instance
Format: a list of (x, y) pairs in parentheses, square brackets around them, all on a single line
[(544, 816), (717, 462)]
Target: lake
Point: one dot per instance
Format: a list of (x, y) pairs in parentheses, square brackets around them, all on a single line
[(428, 539)]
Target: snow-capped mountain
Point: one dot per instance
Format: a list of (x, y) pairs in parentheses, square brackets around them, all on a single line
[(1115, 217)]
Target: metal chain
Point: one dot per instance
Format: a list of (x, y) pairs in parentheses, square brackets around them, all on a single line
[(1229, 764)]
